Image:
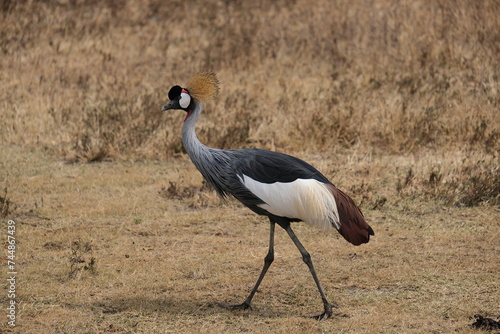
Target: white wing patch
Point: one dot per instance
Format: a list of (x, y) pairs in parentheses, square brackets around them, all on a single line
[(306, 199)]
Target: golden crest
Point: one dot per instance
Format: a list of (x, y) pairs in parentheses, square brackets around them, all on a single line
[(204, 86)]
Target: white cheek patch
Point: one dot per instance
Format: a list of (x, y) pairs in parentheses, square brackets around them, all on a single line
[(185, 100)]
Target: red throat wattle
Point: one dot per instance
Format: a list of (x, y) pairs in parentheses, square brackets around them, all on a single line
[(187, 115)]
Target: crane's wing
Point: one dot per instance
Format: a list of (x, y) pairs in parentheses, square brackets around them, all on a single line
[(270, 167)]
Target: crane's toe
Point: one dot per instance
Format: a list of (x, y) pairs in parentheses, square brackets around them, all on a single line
[(242, 306), (325, 315), (321, 317)]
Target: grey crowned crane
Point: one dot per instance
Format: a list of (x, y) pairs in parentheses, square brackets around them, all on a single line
[(279, 186)]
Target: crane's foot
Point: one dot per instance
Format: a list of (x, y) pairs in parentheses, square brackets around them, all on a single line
[(320, 317), (325, 315), (242, 306)]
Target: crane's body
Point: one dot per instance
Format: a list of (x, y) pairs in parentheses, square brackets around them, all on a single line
[(279, 186)]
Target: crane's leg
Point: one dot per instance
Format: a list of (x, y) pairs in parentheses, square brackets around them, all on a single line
[(267, 263), (307, 259)]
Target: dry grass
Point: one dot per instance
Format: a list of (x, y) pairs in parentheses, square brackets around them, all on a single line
[(87, 80), (396, 102), (108, 248)]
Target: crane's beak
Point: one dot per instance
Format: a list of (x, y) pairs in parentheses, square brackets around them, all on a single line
[(174, 104)]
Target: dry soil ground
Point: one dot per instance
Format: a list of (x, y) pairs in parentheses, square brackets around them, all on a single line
[(131, 247)]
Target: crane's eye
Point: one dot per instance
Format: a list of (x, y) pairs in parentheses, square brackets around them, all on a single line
[(174, 92), (184, 100)]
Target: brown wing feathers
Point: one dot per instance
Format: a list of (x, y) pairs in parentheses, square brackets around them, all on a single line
[(353, 226)]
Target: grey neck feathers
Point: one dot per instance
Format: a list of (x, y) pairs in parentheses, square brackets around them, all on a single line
[(210, 162), (193, 146)]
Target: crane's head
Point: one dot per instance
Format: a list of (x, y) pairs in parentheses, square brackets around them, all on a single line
[(203, 87), (179, 99)]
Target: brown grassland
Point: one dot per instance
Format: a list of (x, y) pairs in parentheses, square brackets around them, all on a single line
[(397, 102)]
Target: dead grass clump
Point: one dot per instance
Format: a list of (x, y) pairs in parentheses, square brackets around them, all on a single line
[(468, 183), (192, 196), (112, 127), (81, 258), (175, 191), (5, 205), (481, 185), (234, 133)]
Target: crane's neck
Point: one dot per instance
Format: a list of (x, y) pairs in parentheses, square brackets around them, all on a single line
[(209, 161), (194, 148)]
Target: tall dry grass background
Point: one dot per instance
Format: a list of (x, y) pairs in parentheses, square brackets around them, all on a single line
[(397, 101), (86, 79), (86, 76)]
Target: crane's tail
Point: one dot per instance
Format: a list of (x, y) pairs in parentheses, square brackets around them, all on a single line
[(353, 226)]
